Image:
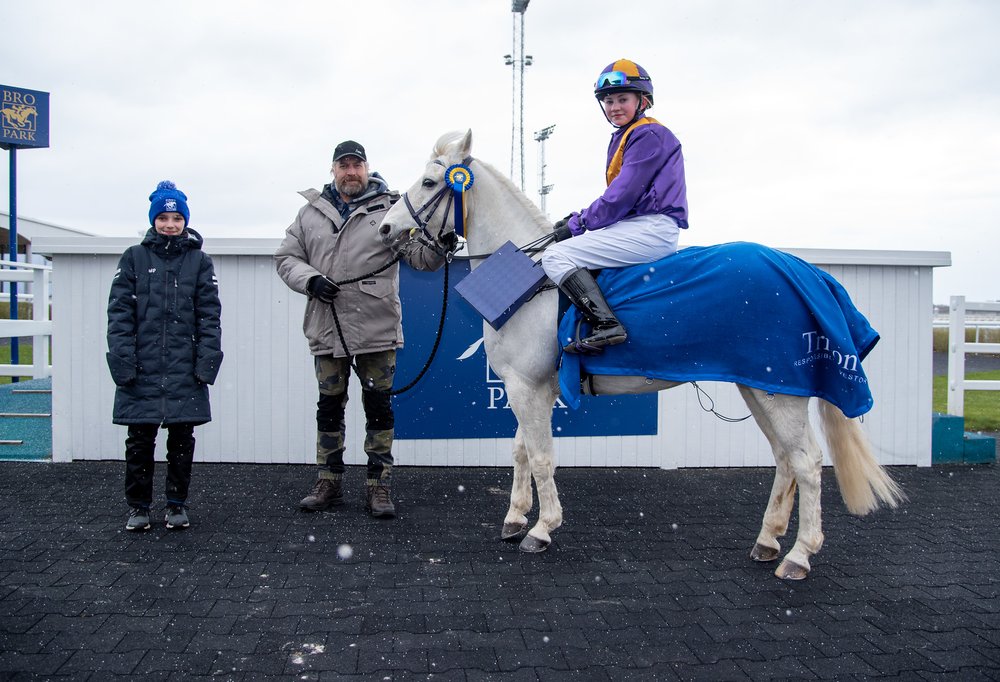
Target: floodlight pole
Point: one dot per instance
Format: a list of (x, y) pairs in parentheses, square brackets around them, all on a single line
[(543, 189), (518, 60)]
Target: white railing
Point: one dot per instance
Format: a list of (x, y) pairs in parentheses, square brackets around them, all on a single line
[(39, 327), (958, 349)]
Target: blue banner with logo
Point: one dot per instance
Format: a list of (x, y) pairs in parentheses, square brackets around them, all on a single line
[(460, 396), (24, 117)]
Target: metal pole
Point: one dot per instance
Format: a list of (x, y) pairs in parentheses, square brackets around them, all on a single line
[(513, 91), (543, 189), (517, 60), (520, 126), (14, 359)]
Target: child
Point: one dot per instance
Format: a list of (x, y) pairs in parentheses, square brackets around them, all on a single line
[(639, 216), (164, 349)]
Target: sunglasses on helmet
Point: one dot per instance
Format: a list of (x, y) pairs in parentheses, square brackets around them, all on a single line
[(613, 78)]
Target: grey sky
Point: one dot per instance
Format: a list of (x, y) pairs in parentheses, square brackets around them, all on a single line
[(848, 124)]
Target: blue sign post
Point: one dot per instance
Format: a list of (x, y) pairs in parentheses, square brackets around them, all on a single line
[(24, 123)]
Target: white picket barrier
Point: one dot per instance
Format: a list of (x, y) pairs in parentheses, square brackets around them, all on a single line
[(39, 327), (958, 348)]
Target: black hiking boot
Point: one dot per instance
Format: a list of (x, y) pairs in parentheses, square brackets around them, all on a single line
[(583, 292)]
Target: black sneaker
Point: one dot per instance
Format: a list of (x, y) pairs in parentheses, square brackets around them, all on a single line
[(138, 519), (177, 517)]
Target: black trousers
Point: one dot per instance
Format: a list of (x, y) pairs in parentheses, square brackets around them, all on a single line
[(139, 447)]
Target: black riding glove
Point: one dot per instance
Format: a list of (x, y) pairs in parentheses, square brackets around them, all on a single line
[(322, 289), (449, 240), (561, 231)]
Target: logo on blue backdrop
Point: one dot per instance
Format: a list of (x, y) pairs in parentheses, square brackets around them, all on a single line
[(461, 396), (24, 117)]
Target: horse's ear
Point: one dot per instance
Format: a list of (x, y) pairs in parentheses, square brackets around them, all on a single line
[(466, 143)]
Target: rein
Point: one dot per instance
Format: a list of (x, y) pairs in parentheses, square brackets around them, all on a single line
[(430, 207), (437, 339), (455, 186)]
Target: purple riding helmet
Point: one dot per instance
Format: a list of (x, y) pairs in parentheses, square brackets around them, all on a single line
[(624, 75)]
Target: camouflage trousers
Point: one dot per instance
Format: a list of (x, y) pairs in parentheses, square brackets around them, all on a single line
[(377, 371)]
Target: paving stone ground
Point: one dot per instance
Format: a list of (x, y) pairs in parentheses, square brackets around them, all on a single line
[(649, 578)]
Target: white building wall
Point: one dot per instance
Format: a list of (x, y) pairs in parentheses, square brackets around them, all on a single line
[(264, 400)]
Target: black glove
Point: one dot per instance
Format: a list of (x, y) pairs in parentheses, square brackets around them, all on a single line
[(560, 231), (449, 240), (322, 289)]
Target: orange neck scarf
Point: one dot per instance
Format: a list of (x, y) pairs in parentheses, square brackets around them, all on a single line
[(615, 165)]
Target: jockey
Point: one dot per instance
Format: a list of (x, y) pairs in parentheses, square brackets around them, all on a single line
[(639, 216)]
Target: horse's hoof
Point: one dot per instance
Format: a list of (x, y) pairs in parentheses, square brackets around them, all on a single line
[(532, 545), (789, 570), (763, 553), (513, 532)]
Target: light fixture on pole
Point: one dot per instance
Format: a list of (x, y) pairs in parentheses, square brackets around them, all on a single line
[(518, 60), (543, 189)]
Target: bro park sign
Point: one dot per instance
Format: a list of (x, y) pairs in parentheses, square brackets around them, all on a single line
[(24, 118)]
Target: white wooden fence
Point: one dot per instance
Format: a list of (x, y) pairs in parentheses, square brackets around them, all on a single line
[(264, 401), (958, 348), (39, 327)]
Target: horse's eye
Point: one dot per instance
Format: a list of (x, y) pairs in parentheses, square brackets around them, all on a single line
[(428, 182)]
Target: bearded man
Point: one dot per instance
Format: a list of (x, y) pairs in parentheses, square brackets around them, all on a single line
[(332, 254)]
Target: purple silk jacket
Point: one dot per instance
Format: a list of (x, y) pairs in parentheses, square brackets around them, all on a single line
[(651, 180)]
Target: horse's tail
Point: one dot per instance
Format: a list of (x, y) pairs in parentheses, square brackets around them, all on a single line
[(864, 483)]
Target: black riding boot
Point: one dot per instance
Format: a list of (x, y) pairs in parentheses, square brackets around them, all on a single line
[(582, 290)]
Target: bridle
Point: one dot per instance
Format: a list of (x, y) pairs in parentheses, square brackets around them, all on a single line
[(430, 206)]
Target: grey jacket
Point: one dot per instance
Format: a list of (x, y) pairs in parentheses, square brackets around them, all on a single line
[(321, 242)]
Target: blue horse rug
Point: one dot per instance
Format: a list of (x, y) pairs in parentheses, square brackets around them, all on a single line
[(738, 312)]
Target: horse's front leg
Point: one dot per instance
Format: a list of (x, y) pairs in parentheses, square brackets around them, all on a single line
[(532, 405), (515, 524)]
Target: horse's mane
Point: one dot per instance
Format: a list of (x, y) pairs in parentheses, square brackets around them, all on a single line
[(446, 143)]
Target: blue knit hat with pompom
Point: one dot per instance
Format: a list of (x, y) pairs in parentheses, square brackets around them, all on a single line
[(166, 198)]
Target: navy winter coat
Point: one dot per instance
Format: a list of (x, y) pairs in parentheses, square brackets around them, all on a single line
[(164, 331)]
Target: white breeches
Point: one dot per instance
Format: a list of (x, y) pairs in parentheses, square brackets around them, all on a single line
[(641, 239)]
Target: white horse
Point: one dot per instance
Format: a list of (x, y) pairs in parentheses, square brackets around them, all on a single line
[(524, 353)]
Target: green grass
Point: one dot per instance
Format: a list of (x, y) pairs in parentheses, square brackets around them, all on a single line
[(24, 310), (941, 337), (982, 408), (25, 357), (24, 349)]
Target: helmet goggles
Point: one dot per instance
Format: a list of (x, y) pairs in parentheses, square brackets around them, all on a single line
[(610, 79)]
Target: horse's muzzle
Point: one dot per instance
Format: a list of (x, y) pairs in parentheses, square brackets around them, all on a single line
[(385, 233), (394, 236)]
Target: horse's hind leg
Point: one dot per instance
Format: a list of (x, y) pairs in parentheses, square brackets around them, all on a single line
[(515, 524), (776, 516), (785, 422)]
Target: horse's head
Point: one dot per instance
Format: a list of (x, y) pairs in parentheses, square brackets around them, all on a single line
[(426, 205)]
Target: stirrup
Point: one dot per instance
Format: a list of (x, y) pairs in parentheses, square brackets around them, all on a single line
[(580, 346)]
